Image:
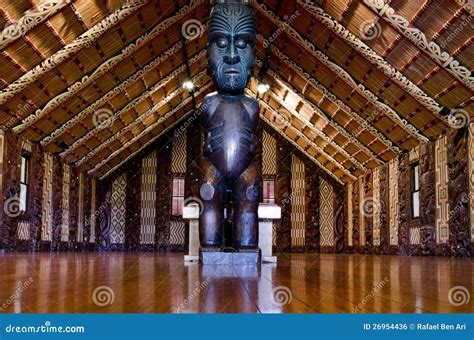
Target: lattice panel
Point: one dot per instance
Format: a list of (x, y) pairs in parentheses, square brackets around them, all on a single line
[(178, 153), (47, 217), (393, 201), (23, 230), (177, 231), (326, 213), (441, 192), (471, 177), (297, 202), (377, 207), (350, 215), (268, 154), (65, 203), (118, 210), (148, 197), (415, 238)]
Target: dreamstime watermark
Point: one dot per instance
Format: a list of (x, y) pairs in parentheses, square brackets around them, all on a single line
[(370, 29), (103, 207), (196, 291), (281, 296), (288, 21), (282, 119), (465, 20), (378, 287), (468, 5), (103, 117), (371, 207), (46, 328), (11, 207), (103, 296), (192, 29), (458, 118), (458, 296), (21, 287)]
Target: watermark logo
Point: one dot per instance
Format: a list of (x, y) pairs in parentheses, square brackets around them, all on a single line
[(288, 21), (370, 30), (458, 296), (103, 117), (282, 119), (11, 207), (458, 119), (192, 29), (281, 296), (21, 287), (370, 207), (103, 296), (371, 295)]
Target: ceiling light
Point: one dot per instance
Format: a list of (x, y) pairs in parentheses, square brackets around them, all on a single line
[(262, 88), (188, 85)]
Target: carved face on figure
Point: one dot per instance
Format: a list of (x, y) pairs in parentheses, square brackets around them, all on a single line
[(230, 51)]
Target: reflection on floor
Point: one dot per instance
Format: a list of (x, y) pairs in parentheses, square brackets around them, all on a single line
[(300, 283)]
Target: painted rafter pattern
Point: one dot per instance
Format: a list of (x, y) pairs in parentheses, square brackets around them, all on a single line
[(332, 97), (148, 129), (31, 19), (83, 41), (108, 65), (417, 37), (310, 48), (327, 120), (140, 120), (379, 62), (276, 113), (144, 96)]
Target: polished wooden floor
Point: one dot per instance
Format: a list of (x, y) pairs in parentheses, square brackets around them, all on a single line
[(300, 283)]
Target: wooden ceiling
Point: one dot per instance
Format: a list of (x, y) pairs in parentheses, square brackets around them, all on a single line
[(353, 84)]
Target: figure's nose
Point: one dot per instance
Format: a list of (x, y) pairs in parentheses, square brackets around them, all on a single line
[(231, 56)]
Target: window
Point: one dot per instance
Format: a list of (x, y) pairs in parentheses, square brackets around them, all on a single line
[(415, 190), (268, 191), (24, 178), (178, 197)]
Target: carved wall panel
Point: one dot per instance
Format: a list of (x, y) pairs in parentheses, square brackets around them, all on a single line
[(369, 207), (133, 205), (118, 206), (103, 214), (65, 203), (80, 209), (2, 148), (87, 211), (394, 208), (47, 213), (57, 191), (36, 203), (355, 215), (283, 194), (93, 211), (471, 179), (441, 191), (458, 192), (268, 154), (362, 227), (163, 200), (377, 207), (326, 216), (384, 228), (312, 234), (427, 198), (297, 203), (74, 207), (148, 199), (404, 204), (350, 215), (340, 224)]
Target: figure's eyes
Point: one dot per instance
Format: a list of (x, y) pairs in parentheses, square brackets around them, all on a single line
[(221, 42), (241, 43)]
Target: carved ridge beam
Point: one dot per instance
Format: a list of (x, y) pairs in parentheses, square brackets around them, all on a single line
[(309, 141), (316, 131), (144, 96), (31, 19), (384, 66), (84, 40), (335, 100), (147, 130), (106, 66), (360, 88), (330, 173), (416, 36), (329, 121), (139, 120)]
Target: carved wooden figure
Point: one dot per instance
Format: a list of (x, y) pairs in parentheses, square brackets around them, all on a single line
[(230, 119)]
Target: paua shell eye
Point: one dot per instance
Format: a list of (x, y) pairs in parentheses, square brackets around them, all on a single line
[(221, 42)]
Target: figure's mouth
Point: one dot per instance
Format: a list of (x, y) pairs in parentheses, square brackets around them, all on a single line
[(232, 72)]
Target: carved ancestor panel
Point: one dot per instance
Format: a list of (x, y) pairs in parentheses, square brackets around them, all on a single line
[(268, 154), (312, 234), (117, 234), (393, 201), (458, 192), (148, 193), (427, 198), (377, 207), (65, 203), (36, 203), (362, 233), (384, 229), (471, 178), (339, 220), (133, 204), (2, 141), (297, 202), (163, 198), (441, 191), (47, 214), (369, 206), (283, 194), (355, 214), (350, 222), (93, 213), (404, 204), (87, 208), (57, 203), (80, 209), (73, 204), (326, 213)]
